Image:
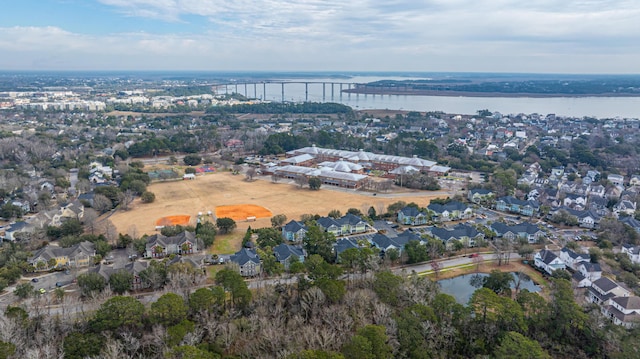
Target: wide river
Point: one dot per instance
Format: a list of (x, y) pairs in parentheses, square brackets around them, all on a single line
[(600, 107)]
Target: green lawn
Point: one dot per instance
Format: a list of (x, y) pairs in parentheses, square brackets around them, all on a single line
[(226, 243)]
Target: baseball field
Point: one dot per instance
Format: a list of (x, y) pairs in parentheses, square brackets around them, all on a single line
[(228, 195)]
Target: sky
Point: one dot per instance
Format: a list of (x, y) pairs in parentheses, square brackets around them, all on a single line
[(523, 36)]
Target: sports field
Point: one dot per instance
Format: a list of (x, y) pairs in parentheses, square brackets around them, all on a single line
[(212, 192)]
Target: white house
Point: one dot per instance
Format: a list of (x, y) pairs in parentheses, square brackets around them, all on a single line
[(590, 271), (603, 290), (623, 311), (573, 259), (548, 261), (632, 251)]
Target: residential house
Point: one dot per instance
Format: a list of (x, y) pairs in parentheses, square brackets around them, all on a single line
[(49, 257), (159, 246), (631, 222), (548, 261), (635, 180), (450, 211), (411, 215), (625, 207), (330, 225), (526, 230), (342, 244), (632, 251), (294, 231), (248, 262), (576, 201), (385, 243), (480, 195), (514, 205), (352, 224), (590, 271), (463, 233), (73, 210), (285, 253), (624, 311), (572, 259), (603, 290), (616, 180), (11, 233), (585, 218)]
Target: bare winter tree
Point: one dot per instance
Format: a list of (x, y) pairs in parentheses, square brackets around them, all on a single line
[(251, 172), (101, 203), (126, 198), (301, 180), (90, 220)]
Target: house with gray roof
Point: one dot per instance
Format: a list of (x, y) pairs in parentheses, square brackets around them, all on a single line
[(624, 311), (514, 205), (548, 261), (15, 228), (248, 262), (527, 231), (463, 233), (478, 195), (572, 259), (603, 290), (633, 252), (159, 246), (50, 256), (590, 271), (285, 253), (412, 216), (450, 211), (343, 244), (294, 231)]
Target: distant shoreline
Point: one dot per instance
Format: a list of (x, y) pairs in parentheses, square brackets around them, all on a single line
[(386, 91)]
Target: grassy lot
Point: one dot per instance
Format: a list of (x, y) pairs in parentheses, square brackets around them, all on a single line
[(227, 243)]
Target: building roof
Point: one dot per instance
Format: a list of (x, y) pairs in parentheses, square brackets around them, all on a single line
[(343, 244), (163, 241), (457, 232), (591, 267), (326, 222), (630, 303), (410, 211), (449, 206), (294, 226), (575, 256), (525, 227), (546, 256), (244, 256), (284, 251), (605, 284), (519, 202)]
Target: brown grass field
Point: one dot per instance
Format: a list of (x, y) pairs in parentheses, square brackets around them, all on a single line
[(211, 191)]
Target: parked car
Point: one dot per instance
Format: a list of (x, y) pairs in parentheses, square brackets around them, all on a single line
[(35, 280)]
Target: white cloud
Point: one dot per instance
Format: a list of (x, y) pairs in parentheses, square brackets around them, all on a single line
[(428, 35)]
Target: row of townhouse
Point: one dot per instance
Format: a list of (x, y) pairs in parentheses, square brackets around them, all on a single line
[(159, 246), (295, 231), (53, 257), (450, 211)]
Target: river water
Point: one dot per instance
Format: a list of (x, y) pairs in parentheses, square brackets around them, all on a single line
[(599, 107)]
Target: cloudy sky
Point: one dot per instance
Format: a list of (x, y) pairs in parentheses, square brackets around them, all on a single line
[(544, 36)]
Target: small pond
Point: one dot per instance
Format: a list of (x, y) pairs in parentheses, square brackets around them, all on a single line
[(461, 288)]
